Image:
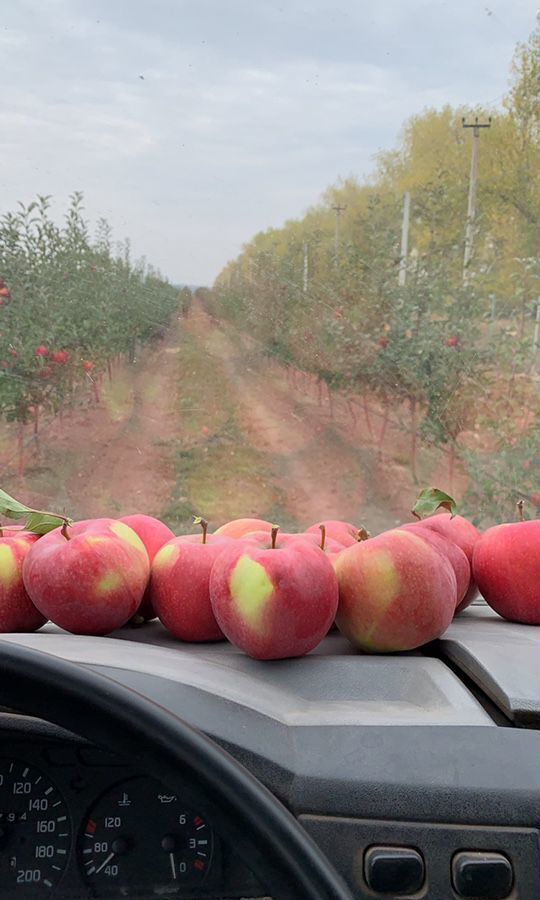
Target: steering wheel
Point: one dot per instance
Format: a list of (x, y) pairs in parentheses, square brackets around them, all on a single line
[(266, 835)]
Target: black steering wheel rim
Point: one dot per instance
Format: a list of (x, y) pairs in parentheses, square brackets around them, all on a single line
[(107, 713)]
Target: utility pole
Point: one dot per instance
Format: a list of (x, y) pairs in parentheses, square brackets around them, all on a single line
[(404, 239), (471, 205), (306, 264), (338, 210)]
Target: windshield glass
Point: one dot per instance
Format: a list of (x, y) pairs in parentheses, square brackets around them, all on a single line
[(270, 260)]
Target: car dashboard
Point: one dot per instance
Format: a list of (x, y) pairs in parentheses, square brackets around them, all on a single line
[(417, 774)]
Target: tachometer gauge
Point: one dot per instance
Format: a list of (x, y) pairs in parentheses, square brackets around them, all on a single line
[(140, 840), (35, 833)]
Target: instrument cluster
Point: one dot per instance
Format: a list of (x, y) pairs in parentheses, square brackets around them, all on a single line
[(76, 823)]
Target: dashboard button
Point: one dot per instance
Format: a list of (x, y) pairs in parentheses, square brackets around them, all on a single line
[(484, 876), (394, 870)]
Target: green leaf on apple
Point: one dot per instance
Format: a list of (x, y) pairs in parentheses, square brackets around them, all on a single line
[(430, 500), (37, 521)]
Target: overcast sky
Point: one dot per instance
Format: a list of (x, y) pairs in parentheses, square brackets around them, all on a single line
[(193, 124)]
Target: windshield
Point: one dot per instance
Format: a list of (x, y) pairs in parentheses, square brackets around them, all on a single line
[(270, 260)]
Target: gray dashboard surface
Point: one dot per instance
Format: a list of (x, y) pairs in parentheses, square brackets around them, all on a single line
[(501, 657), (395, 753), (330, 687)]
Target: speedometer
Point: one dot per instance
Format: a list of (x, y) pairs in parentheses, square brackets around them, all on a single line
[(140, 840), (35, 833)]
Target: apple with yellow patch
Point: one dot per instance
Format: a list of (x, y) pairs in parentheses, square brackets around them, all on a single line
[(179, 585), (274, 603), (396, 592), (17, 612), (88, 578)]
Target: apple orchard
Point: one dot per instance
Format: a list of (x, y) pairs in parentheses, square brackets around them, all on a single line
[(69, 307)]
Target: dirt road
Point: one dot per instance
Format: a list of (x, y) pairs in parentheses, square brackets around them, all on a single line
[(255, 443)]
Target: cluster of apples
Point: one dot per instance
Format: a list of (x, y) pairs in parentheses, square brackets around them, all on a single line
[(273, 595)]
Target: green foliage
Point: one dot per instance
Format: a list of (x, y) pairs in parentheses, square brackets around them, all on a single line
[(72, 296), (37, 521), (322, 294), (500, 478)]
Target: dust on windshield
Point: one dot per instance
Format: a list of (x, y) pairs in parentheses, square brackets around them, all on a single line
[(281, 262)]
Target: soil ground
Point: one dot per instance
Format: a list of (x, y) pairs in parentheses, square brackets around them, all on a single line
[(202, 423)]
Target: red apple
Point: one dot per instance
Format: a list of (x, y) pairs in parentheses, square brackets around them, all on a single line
[(461, 532), (60, 357), (342, 532), (179, 587), (153, 534), (237, 528), (456, 556), (276, 603), (41, 351), (396, 592), (209, 539), (17, 612), (506, 567), (264, 540), (87, 365), (452, 341), (45, 372), (88, 578)]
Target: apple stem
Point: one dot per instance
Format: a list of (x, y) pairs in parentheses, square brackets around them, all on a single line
[(64, 531), (520, 505), (275, 529), (204, 525), (323, 536), (362, 534)]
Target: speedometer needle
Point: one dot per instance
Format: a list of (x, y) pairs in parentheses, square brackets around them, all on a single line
[(105, 861), (173, 865)]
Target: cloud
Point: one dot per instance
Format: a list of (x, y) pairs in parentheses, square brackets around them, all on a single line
[(245, 111)]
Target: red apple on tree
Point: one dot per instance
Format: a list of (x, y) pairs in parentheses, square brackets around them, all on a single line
[(452, 341), (60, 357), (41, 351), (275, 603), (17, 612), (153, 534), (506, 567), (179, 586), (396, 592), (88, 578)]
